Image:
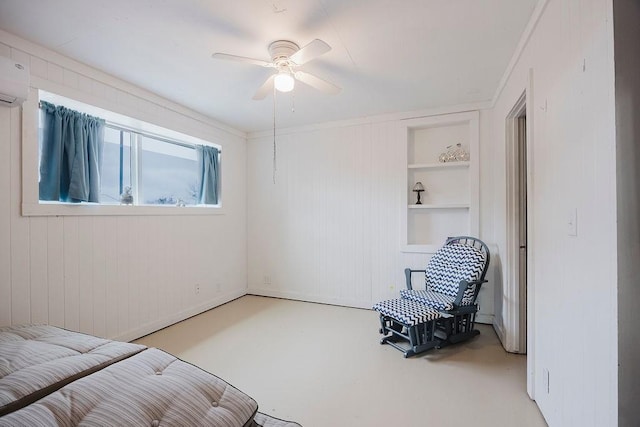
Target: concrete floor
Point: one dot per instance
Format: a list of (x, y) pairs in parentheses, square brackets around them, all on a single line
[(322, 365)]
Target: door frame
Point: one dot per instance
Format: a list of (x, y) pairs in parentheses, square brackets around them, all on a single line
[(512, 290)]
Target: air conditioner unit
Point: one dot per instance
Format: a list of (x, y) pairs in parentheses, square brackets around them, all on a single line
[(14, 82)]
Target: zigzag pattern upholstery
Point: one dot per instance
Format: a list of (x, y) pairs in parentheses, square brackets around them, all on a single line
[(407, 311), (432, 299), (451, 264), (430, 318)]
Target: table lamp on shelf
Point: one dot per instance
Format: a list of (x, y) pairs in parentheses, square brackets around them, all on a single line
[(418, 188)]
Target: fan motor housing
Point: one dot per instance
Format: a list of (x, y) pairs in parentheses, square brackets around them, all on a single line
[(281, 50)]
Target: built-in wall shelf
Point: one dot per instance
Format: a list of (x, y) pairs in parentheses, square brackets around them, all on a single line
[(450, 202), (441, 206), (447, 165)]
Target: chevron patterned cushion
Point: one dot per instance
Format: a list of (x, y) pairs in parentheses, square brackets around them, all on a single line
[(432, 299), (406, 311), (451, 264)]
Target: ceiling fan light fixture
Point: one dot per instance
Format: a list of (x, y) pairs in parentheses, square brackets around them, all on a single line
[(284, 81)]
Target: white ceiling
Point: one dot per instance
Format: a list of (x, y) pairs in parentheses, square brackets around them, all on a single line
[(388, 55)]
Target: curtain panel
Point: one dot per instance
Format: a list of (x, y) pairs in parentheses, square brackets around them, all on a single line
[(208, 174), (71, 155)]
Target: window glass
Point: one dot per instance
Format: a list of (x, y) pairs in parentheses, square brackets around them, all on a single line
[(168, 173), (150, 164), (116, 165)]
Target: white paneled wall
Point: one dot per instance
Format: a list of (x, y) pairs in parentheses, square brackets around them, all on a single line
[(328, 230), (115, 276), (574, 352)]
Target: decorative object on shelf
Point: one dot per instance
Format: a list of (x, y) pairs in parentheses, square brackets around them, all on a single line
[(454, 154), (126, 198), (418, 188)]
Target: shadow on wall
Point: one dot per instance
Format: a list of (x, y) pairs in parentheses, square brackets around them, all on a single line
[(494, 275)]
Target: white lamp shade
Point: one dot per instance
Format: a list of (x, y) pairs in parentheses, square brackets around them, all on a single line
[(284, 82)]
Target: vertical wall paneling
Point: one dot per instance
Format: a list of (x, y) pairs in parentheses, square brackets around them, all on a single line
[(71, 277), (121, 285), (5, 216), (20, 282), (177, 252), (155, 247), (329, 229), (55, 270), (573, 157), (110, 276), (85, 273), (114, 276), (98, 267), (39, 289), (136, 310), (123, 276)]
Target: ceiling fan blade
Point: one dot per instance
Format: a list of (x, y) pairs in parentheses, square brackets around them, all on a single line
[(317, 82), (236, 58), (314, 49), (265, 89)]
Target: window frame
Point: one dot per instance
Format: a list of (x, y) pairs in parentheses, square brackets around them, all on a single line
[(31, 203)]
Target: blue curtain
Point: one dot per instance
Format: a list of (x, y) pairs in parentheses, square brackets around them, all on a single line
[(71, 155), (208, 175)]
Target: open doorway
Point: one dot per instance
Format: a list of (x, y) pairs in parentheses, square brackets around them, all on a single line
[(521, 148), (517, 238), (519, 288)]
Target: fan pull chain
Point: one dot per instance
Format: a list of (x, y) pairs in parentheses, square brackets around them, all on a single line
[(293, 102), (274, 134)]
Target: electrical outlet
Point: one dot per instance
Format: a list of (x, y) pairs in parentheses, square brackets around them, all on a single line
[(197, 288), (267, 280), (392, 287), (218, 287)]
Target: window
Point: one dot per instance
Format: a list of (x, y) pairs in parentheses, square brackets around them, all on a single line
[(165, 173), (156, 169), (116, 165), (169, 173)]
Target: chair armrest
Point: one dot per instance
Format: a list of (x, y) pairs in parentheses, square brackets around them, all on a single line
[(407, 276), (463, 286)]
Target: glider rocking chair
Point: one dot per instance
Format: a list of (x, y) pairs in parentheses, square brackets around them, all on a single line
[(444, 312)]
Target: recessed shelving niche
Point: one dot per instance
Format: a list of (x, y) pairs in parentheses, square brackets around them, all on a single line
[(450, 201)]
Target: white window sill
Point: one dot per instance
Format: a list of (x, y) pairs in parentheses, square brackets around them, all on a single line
[(87, 209)]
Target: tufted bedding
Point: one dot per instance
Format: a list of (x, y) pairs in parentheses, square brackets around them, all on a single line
[(36, 360), (54, 377)]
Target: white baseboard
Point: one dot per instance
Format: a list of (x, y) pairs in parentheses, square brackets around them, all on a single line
[(484, 318), (178, 317), (309, 298), (499, 328), (230, 296)]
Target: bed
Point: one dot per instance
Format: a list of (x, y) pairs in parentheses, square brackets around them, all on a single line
[(54, 377)]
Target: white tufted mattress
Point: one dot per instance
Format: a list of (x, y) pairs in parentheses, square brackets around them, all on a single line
[(54, 377), (36, 360), (152, 388)]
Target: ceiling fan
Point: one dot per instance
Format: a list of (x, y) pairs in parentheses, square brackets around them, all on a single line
[(286, 57)]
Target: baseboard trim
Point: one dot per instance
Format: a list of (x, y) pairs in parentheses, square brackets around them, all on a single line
[(155, 326), (499, 328), (309, 298), (486, 319)]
